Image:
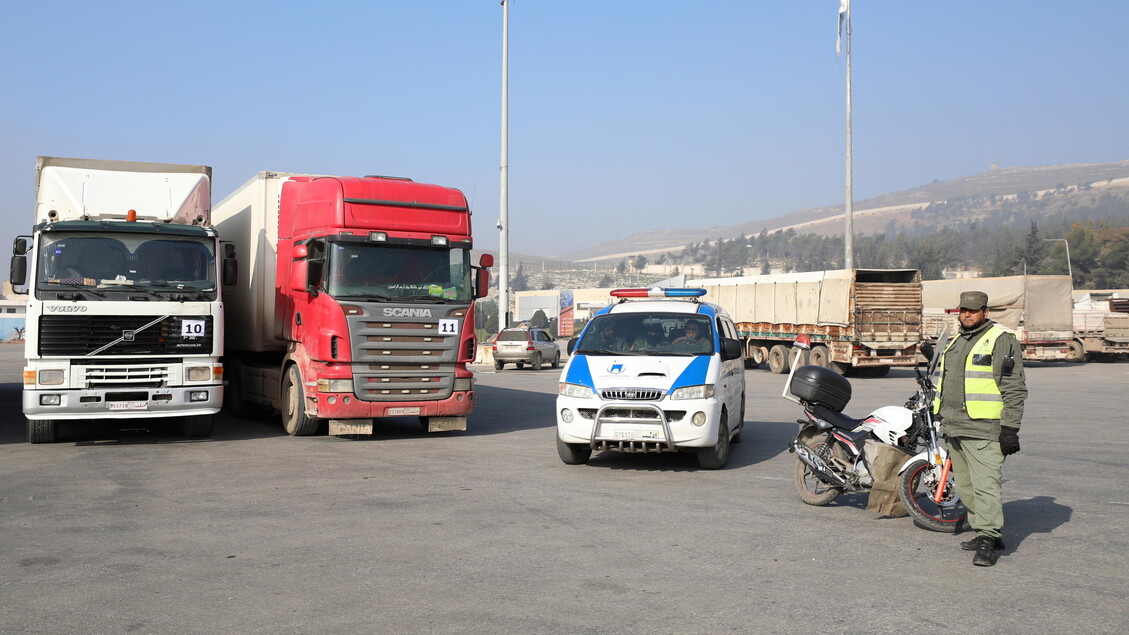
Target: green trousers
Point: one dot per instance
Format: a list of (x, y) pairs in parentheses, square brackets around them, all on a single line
[(977, 465)]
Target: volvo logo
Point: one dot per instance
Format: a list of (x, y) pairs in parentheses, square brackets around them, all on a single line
[(66, 308), (127, 336), (400, 312)]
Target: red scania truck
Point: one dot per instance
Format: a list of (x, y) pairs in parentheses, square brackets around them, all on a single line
[(357, 302)]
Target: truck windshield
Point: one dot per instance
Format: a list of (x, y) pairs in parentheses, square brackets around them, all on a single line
[(647, 334), (392, 272), (161, 266)]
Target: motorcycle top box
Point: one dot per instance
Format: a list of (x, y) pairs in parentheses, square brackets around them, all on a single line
[(823, 386)]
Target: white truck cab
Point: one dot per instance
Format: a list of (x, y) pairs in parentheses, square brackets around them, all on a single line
[(658, 371)]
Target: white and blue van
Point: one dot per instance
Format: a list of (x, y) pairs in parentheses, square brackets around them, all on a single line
[(663, 373)]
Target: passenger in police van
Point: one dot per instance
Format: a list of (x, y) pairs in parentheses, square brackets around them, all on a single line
[(607, 338)]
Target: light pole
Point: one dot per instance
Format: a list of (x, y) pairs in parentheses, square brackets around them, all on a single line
[(1069, 271)]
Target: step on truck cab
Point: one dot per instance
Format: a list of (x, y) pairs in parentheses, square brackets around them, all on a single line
[(357, 304), (658, 371), (124, 315)]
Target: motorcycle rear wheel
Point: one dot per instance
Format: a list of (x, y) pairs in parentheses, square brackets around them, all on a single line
[(916, 487), (812, 490)]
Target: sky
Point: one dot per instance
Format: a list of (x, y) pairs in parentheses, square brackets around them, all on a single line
[(623, 116)]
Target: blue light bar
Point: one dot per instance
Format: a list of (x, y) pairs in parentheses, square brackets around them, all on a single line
[(657, 292)]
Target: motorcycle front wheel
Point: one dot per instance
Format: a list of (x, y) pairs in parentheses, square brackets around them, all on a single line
[(916, 488), (812, 490)]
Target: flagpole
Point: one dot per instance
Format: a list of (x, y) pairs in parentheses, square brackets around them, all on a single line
[(848, 234), (504, 203)]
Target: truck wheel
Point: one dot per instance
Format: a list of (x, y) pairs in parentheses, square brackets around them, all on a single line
[(573, 453), (197, 426), (820, 356), (42, 431), (778, 359), (715, 457), (760, 355), (499, 365), (841, 368), (1077, 353), (294, 417), (536, 362)]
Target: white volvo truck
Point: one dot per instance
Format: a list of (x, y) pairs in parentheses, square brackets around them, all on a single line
[(124, 318)]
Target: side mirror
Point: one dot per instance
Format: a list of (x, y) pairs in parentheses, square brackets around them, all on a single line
[(482, 282), (927, 350), (230, 271), (18, 274), (571, 345), (299, 275), (486, 260), (730, 349), (19, 246)]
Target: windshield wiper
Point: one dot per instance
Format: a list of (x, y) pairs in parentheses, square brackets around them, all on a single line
[(424, 298), (79, 291), (367, 297)]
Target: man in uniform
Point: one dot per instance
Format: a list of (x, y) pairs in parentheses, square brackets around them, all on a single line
[(980, 400)]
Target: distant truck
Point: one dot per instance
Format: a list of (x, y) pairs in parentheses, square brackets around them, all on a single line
[(358, 301), (859, 320), (124, 319), (1038, 309), (1101, 325)]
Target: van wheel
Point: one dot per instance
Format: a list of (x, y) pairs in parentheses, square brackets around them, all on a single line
[(294, 417), (42, 431), (778, 359), (741, 423), (714, 458), (573, 453)]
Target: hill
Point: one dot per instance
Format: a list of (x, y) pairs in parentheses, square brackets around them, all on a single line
[(977, 193)]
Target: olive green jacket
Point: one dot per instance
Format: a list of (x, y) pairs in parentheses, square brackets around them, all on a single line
[(955, 421)]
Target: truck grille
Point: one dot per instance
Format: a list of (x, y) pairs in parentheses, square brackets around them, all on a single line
[(404, 358), (105, 335), (631, 394), (132, 376)]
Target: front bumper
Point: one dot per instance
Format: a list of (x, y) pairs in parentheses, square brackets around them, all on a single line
[(133, 403), (328, 405), (638, 426)]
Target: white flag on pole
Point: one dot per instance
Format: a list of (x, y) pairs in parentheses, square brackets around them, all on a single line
[(844, 13)]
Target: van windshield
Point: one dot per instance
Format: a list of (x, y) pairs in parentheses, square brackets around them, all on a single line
[(648, 334)]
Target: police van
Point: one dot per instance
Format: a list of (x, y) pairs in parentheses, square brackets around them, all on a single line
[(657, 371)]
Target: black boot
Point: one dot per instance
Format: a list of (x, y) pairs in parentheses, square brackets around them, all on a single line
[(971, 545), (985, 552)]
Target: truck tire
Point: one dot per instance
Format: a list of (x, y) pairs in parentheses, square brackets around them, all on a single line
[(294, 417), (760, 355), (42, 431), (1077, 353), (197, 426), (820, 356), (778, 359)]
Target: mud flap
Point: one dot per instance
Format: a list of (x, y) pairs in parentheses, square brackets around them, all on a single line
[(446, 424), (346, 427)]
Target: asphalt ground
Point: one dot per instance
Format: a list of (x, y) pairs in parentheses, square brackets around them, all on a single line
[(137, 529)]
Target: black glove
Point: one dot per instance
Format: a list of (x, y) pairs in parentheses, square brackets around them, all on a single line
[(1009, 440)]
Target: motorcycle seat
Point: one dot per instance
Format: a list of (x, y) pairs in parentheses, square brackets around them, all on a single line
[(836, 418)]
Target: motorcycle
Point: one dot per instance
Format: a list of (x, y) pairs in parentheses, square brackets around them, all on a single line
[(837, 453)]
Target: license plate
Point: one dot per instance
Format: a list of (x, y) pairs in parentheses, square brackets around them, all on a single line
[(127, 405), (636, 434), (401, 412)]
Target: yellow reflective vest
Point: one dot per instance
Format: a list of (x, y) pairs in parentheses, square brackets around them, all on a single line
[(982, 398)]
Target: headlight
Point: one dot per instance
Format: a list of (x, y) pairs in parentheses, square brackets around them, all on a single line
[(199, 373), (704, 391), (50, 377), (574, 390), (335, 385), (464, 383)]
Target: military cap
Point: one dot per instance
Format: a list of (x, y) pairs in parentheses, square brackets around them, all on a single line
[(973, 300)]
